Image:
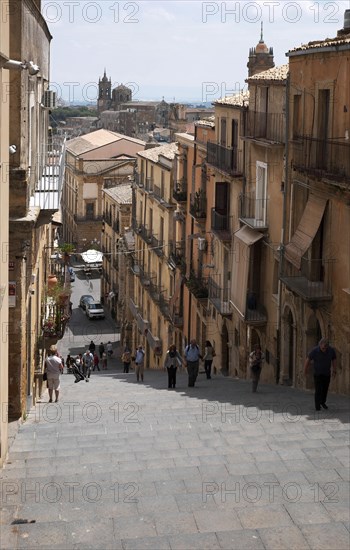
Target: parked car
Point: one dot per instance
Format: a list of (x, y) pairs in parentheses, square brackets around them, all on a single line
[(94, 310), (86, 299)]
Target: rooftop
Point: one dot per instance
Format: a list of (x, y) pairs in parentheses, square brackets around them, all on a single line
[(121, 193), (238, 100), (99, 138), (209, 121), (168, 151), (326, 43), (275, 73)]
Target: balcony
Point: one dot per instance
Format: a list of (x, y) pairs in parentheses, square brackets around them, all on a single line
[(157, 246), (198, 286), (178, 320), (142, 324), (177, 255), (149, 185), (255, 311), (198, 205), (266, 126), (325, 159), (220, 224), (180, 191), (313, 282), (146, 277), (88, 218), (145, 233), (225, 159), (253, 212), (154, 342), (140, 180), (219, 297), (157, 192)]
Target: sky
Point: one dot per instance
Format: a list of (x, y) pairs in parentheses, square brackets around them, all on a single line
[(183, 51)]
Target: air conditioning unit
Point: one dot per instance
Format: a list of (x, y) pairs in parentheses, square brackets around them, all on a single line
[(202, 243), (50, 99)]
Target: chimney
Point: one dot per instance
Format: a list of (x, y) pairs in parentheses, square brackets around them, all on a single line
[(346, 29)]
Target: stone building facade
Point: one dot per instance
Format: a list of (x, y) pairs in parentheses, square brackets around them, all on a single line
[(4, 231), (315, 270), (95, 161)]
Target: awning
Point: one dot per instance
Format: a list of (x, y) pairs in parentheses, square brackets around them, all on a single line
[(92, 256), (306, 230), (243, 239)]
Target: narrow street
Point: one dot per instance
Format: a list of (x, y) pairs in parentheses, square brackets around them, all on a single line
[(118, 464)]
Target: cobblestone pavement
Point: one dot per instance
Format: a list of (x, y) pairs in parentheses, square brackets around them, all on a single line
[(120, 464)]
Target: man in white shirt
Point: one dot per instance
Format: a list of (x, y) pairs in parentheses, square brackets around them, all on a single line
[(53, 369), (139, 363)]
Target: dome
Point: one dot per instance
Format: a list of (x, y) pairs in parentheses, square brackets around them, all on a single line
[(261, 47)]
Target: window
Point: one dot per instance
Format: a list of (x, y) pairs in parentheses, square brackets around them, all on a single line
[(296, 116), (261, 193), (89, 210), (223, 132)]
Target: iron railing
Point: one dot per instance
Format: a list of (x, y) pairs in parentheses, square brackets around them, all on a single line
[(253, 211), (198, 205), (226, 159), (325, 158), (180, 190), (269, 126), (313, 282), (219, 297)]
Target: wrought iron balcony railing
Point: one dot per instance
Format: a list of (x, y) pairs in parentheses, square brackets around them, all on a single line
[(226, 159), (180, 190), (140, 179), (324, 158), (198, 205), (219, 297), (313, 282), (253, 211), (157, 246), (268, 126), (107, 218), (220, 224), (198, 286), (149, 185), (145, 233), (177, 255)]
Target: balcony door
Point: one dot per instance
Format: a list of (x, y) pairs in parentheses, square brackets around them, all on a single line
[(322, 128), (261, 193), (221, 198), (221, 205), (234, 142)]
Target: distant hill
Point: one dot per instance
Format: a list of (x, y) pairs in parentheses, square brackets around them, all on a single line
[(62, 113)]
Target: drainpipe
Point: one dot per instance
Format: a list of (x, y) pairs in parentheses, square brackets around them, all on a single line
[(284, 219)]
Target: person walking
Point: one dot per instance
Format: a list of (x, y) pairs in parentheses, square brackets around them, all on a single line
[(96, 362), (92, 347), (53, 370), (126, 359), (101, 349), (192, 356), (172, 361), (88, 360), (324, 362), (109, 348), (139, 363), (209, 354), (256, 358)]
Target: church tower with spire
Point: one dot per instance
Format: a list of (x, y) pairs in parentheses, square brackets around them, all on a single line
[(104, 93), (260, 57)]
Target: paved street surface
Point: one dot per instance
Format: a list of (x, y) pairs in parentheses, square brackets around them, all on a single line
[(118, 464)]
